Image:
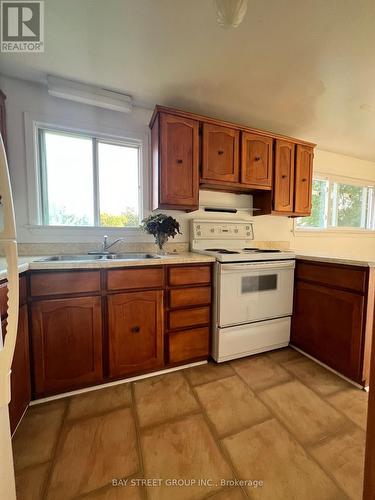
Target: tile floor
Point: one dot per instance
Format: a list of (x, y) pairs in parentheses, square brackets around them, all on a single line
[(278, 418)]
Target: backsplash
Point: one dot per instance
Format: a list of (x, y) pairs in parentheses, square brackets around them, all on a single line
[(83, 248)]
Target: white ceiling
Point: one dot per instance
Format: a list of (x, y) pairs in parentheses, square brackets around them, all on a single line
[(300, 67)]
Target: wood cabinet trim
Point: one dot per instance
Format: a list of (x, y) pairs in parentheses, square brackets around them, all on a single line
[(215, 121)]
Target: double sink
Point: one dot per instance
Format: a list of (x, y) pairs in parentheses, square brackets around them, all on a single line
[(95, 257)]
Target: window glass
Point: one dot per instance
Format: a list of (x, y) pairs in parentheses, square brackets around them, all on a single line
[(118, 185), (318, 217), (68, 180), (349, 206)]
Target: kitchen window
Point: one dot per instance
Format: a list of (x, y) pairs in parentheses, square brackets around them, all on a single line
[(340, 204), (88, 181)]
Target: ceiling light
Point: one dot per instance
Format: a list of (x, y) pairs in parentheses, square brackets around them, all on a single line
[(89, 94), (230, 13)]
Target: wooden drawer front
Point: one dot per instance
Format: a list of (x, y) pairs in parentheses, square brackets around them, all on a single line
[(341, 276), (132, 279), (189, 275), (189, 317), (3, 299), (185, 297), (58, 283), (189, 344)]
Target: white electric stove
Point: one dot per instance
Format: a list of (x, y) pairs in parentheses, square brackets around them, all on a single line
[(253, 297)]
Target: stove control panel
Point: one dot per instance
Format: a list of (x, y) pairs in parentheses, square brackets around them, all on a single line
[(207, 230)]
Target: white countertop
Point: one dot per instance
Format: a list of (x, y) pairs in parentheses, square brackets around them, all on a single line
[(334, 259), (26, 263)]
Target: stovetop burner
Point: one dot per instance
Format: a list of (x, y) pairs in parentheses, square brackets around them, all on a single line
[(221, 250), (261, 250)]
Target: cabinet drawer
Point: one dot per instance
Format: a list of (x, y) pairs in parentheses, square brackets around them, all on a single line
[(189, 275), (341, 276), (132, 279), (58, 283), (189, 317), (184, 297), (3, 299), (189, 344)]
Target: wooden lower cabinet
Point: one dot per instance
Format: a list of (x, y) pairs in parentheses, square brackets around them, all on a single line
[(135, 332), (66, 343), (20, 377), (331, 323)]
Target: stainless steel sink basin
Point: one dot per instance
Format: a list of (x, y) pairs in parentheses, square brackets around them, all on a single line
[(130, 256), (102, 257), (70, 258)]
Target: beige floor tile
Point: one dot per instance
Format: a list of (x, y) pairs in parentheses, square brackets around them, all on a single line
[(268, 453), (92, 452), (260, 372), (284, 355), (353, 402), (115, 493), (30, 482), (184, 449), (161, 398), (230, 494), (99, 401), (231, 405), (209, 372), (316, 376), (344, 456), (36, 436), (305, 414)]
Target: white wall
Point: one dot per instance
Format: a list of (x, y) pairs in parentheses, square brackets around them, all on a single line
[(33, 100), (346, 243)]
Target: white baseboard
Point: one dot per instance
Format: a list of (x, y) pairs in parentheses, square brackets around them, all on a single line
[(116, 382)]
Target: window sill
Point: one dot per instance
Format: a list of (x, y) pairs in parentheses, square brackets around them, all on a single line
[(333, 231)]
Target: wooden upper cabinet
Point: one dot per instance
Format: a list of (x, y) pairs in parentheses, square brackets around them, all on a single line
[(303, 183), (256, 160), (67, 343), (135, 332), (220, 154), (283, 194), (175, 158)]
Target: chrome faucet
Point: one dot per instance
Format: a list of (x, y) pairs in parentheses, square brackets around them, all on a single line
[(105, 246)]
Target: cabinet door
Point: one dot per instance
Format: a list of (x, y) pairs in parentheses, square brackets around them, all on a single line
[(135, 331), (284, 176), (179, 162), (328, 324), (220, 156), (256, 160), (20, 377), (67, 343), (303, 184)]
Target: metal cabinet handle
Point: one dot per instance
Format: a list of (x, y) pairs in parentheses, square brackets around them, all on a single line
[(220, 152), (283, 176), (257, 158), (135, 329), (179, 162), (304, 180)]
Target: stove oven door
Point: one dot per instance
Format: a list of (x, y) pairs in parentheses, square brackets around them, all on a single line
[(249, 292)]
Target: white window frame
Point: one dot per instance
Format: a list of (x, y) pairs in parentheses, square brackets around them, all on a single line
[(128, 137), (370, 231)]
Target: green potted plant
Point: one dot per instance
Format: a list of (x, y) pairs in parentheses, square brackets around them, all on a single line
[(162, 227)]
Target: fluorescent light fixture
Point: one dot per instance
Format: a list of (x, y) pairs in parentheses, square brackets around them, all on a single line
[(89, 94)]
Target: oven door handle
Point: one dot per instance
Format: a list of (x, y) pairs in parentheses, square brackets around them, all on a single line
[(289, 264)]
